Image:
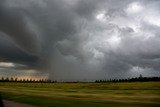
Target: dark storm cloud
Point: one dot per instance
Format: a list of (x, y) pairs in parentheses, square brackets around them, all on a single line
[(14, 24), (81, 39), (35, 33), (10, 52)]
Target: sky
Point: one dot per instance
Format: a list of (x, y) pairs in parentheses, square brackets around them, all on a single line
[(79, 40)]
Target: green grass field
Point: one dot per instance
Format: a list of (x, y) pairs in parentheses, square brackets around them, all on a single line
[(133, 94)]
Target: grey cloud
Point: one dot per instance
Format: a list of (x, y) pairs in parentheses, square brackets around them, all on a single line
[(13, 23), (10, 52), (81, 40)]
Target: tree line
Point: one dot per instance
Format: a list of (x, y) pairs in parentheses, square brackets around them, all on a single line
[(12, 79), (136, 79)]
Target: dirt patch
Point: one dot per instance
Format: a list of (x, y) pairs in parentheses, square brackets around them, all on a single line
[(15, 104)]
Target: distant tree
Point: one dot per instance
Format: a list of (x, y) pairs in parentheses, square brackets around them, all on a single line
[(16, 79), (11, 79), (20, 80), (7, 79), (31, 80), (24, 80), (27, 80), (2, 79)]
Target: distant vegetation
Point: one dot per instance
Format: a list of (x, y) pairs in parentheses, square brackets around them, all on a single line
[(12, 79), (136, 79)]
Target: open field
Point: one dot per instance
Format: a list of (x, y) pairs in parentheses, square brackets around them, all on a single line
[(133, 94)]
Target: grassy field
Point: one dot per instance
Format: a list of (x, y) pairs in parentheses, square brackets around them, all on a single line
[(133, 94)]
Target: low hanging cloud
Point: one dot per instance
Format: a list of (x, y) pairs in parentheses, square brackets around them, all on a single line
[(80, 39)]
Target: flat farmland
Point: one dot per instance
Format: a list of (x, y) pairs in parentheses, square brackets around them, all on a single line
[(123, 94)]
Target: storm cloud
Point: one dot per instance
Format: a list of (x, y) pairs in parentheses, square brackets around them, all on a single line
[(79, 40)]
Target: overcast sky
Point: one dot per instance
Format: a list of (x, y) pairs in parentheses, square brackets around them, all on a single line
[(70, 40)]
